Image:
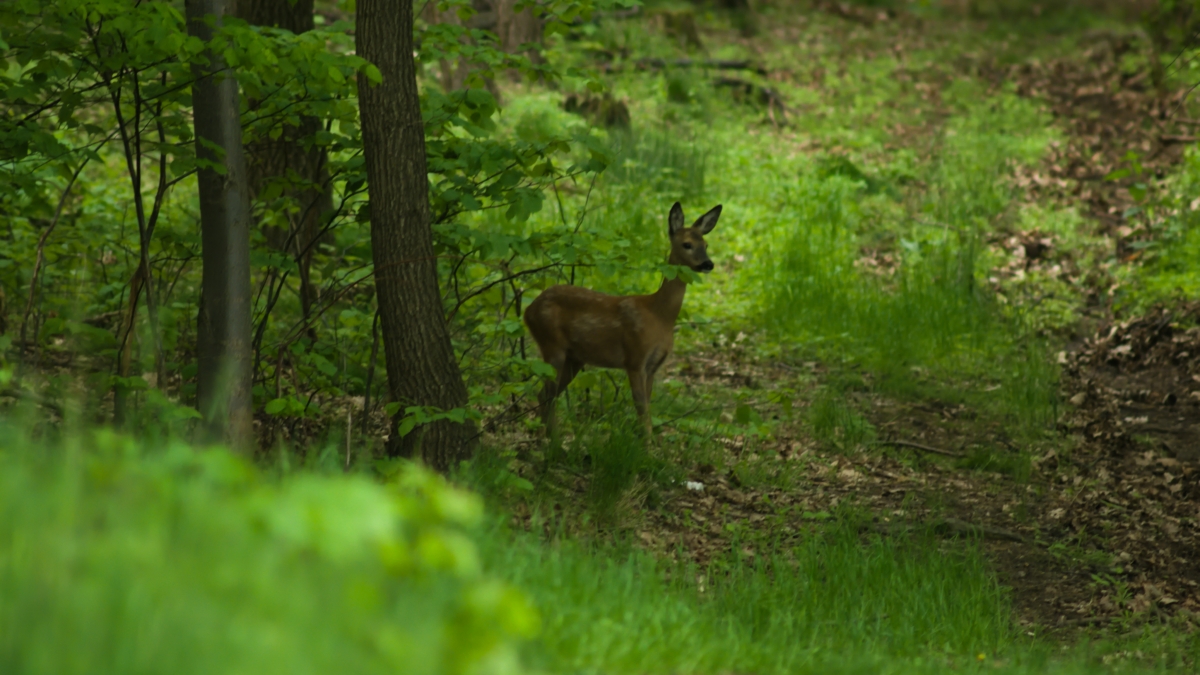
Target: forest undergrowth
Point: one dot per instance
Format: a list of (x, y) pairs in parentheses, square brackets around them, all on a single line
[(932, 410)]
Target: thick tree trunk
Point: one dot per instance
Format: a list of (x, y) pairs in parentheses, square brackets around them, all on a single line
[(271, 159), (421, 365), (223, 334)]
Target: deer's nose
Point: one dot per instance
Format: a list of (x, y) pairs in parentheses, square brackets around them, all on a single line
[(706, 266)]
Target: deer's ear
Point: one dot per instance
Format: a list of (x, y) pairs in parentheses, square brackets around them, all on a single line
[(708, 221), (675, 220)]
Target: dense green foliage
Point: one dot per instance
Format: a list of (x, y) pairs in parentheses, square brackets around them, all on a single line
[(96, 142)]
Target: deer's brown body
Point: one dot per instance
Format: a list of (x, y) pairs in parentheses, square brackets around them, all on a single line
[(576, 326)]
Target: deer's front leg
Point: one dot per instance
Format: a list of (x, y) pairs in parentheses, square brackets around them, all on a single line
[(641, 398), (653, 363)]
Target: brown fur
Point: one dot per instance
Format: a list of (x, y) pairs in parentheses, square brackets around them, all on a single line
[(576, 326)]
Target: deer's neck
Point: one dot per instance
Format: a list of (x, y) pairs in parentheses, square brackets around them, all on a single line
[(668, 300)]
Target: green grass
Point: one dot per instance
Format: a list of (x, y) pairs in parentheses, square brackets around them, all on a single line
[(1170, 256), (836, 423), (835, 601), (933, 306)]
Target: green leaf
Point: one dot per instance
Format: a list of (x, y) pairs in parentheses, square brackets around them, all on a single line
[(324, 365), (276, 406), (742, 414), (587, 379), (406, 425), (372, 73)]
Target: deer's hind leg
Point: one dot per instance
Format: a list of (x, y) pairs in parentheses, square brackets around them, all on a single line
[(566, 368)]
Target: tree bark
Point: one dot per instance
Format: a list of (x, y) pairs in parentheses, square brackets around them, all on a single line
[(517, 28), (271, 160), (223, 331), (514, 29), (422, 368)]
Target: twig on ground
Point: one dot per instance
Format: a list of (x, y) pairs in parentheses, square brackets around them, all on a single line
[(923, 448), (961, 527), (952, 527), (715, 64), (1087, 621), (766, 95), (671, 422)]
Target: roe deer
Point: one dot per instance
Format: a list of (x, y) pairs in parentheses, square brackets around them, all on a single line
[(575, 326)]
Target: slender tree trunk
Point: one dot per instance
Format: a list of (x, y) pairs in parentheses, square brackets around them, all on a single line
[(454, 73), (272, 159), (125, 353), (517, 28), (422, 368), (223, 331)]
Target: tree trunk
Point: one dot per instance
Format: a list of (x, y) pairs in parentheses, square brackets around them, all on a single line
[(223, 331), (454, 73), (271, 159), (422, 368), (517, 28)]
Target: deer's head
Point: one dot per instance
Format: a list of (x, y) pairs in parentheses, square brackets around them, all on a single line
[(687, 243)]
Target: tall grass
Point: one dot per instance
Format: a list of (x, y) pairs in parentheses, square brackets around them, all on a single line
[(930, 311), (833, 603)]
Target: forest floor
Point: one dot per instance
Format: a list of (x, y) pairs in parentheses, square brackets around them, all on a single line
[(1094, 526)]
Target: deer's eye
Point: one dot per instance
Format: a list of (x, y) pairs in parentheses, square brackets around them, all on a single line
[(688, 246)]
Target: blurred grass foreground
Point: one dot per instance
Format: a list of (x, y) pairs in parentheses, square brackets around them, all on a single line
[(118, 559)]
